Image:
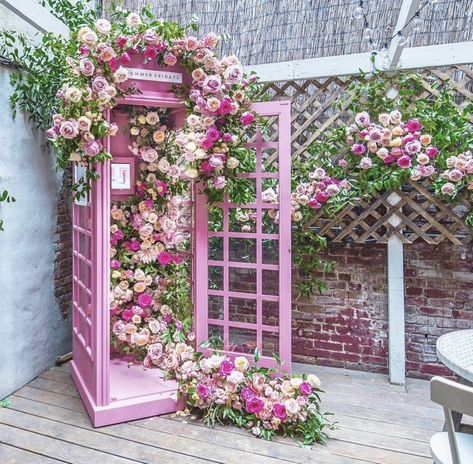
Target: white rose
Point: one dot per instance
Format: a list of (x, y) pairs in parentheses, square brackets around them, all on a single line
[(103, 26), (133, 20), (314, 381), (120, 75), (232, 163)]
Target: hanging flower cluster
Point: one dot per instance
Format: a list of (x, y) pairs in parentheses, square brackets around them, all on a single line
[(458, 176), (254, 398), (392, 142), (211, 142), (315, 193)]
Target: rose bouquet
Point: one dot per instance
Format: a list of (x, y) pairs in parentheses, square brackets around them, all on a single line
[(458, 175), (254, 398), (390, 142)]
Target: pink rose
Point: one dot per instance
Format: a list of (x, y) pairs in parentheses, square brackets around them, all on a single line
[(226, 106), (313, 203), (144, 300), (413, 125), (455, 175), (404, 162), (279, 411), (115, 264), (150, 36), (389, 159), (127, 314), (202, 390), (125, 58), (212, 83), (342, 163), (69, 129), (150, 52), (220, 182), (448, 189), (305, 389), (358, 149), (165, 258), (431, 152), (121, 41), (170, 59), (247, 118), (51, 134), (233, 74), (365, 163), (226, 368), (247, 393), (254, 405), (99, 84), (93, 148), (213, 134), (86, 67), (321, 197)]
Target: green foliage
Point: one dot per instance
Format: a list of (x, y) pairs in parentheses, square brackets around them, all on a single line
[(450, 126), (5, 197)]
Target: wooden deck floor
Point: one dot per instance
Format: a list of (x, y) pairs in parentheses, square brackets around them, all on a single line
[(378, 423)]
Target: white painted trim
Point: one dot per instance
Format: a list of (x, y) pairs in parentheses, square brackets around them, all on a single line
[(36, 15), (431, 56), (407, 11), (396, 330), (343, 65)]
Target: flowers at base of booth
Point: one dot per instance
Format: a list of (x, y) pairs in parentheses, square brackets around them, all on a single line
[(458, 175), (252, 397), (390, 142)]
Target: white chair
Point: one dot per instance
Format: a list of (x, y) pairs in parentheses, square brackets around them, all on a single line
[(451, 447)]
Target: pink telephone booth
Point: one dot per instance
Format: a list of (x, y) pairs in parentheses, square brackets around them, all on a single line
[(112, 389), (249, 307)]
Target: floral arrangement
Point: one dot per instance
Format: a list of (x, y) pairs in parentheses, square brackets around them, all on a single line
[(151, 311), (391, 142), (254, 398), (318, 191), (211, 141), (150, 306), (458, 175)]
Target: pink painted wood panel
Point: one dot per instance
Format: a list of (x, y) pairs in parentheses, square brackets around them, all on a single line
[(243, 300)]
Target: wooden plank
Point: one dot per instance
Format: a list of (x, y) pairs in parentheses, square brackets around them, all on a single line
[(54, 386), (12, 455), (36, 15), (110, 448), (56, 399), (63, 451), (144, 444)]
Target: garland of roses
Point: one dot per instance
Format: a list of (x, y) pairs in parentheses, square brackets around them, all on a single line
[(373, 146), (212, 139)]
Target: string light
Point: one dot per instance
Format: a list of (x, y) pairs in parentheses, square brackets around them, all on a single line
[(402, 38)]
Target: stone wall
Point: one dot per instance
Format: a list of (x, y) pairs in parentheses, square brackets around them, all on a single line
[(35, 326), (347, 326)]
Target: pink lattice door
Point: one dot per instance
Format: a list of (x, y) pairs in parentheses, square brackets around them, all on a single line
[(83, 263), (243, 254)]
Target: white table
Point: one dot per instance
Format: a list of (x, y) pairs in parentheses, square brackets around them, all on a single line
[(455, 350)]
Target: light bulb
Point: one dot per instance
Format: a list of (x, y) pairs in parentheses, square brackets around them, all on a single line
[(384, 53), (433, 2), (358, 13), (367, 34), (417, 24), (402, 40)]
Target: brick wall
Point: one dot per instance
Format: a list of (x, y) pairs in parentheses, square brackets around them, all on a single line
[(347, 326), (63, 248)]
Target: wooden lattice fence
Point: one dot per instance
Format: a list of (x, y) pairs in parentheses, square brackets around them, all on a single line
[(423, 216)]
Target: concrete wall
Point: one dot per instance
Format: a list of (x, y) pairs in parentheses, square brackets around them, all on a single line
[(33, 330)]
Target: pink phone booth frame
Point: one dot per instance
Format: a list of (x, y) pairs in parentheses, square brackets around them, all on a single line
[(111, 390)]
